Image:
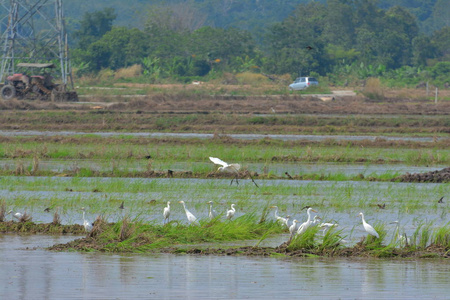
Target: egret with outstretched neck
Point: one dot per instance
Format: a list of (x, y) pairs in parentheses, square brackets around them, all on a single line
[(308, 222), (226, 167), (367, 227), (191, 218)]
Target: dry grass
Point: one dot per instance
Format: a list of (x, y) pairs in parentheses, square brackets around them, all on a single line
[(106, 75), (2, 211), (56, 218), (25, 218), (373, 89), (130, 72), (251, 78)]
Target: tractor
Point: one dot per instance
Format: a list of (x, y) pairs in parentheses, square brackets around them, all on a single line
[(41, 87)]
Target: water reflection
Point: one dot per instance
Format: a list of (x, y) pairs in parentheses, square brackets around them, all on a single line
[(40, 274)]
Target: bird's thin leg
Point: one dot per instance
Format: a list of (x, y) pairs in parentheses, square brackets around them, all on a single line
[(253, 180)]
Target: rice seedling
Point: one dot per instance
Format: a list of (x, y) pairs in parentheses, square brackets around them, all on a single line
[(306, 240), (441, 237), (332, 240)]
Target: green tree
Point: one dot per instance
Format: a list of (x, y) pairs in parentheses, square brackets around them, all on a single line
[(93, 26)]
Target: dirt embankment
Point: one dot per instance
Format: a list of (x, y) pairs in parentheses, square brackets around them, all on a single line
[(270, 104), (438, 176)]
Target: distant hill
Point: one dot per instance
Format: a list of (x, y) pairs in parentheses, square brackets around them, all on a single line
[(252, 15)]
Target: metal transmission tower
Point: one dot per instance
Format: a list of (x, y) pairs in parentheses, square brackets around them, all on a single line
[(33, 31)]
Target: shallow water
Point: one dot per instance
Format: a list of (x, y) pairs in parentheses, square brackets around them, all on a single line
[(284, 137), (277, 169), (196, 192), (41, 274)]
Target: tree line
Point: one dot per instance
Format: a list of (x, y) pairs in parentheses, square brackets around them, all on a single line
[(338, 39)]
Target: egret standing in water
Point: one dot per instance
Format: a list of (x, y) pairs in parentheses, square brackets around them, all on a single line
[(225, 167), (87, 225), (212, 213), (368, 228), (191, 218), (166, 212), (308, 222), (230, 212)]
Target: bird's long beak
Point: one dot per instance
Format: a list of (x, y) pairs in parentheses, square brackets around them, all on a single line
[(319, 218), (314, 210)]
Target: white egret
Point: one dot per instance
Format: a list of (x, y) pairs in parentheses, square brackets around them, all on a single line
[(308, 222), (191, 218), (230, 212), (16, 215), (316, 219), (212, 213), (166, 212), (326, 226), (280, 219), (225, 167), (368, 228), (402, 238), (87, 225), (293, 227)]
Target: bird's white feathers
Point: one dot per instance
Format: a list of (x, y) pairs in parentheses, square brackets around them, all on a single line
[(232, 168), (212, 213), (308, 222), (191, 218), (230, 212), (367, 227), (166, 212), (87, 225)]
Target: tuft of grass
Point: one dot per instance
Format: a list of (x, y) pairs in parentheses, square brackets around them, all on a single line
[(372, 242), (56, 218), (2, 211), (25, 218), (373, 89), (306, 240), (130, 72), (331, 240), (441, 236)]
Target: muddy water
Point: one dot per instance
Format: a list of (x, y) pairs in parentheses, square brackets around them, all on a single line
[(40, 274), (285, 137)]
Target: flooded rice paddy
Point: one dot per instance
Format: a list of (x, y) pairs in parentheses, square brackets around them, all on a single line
[(412, 204), (284, 137), (277, 169), (30, 272)]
